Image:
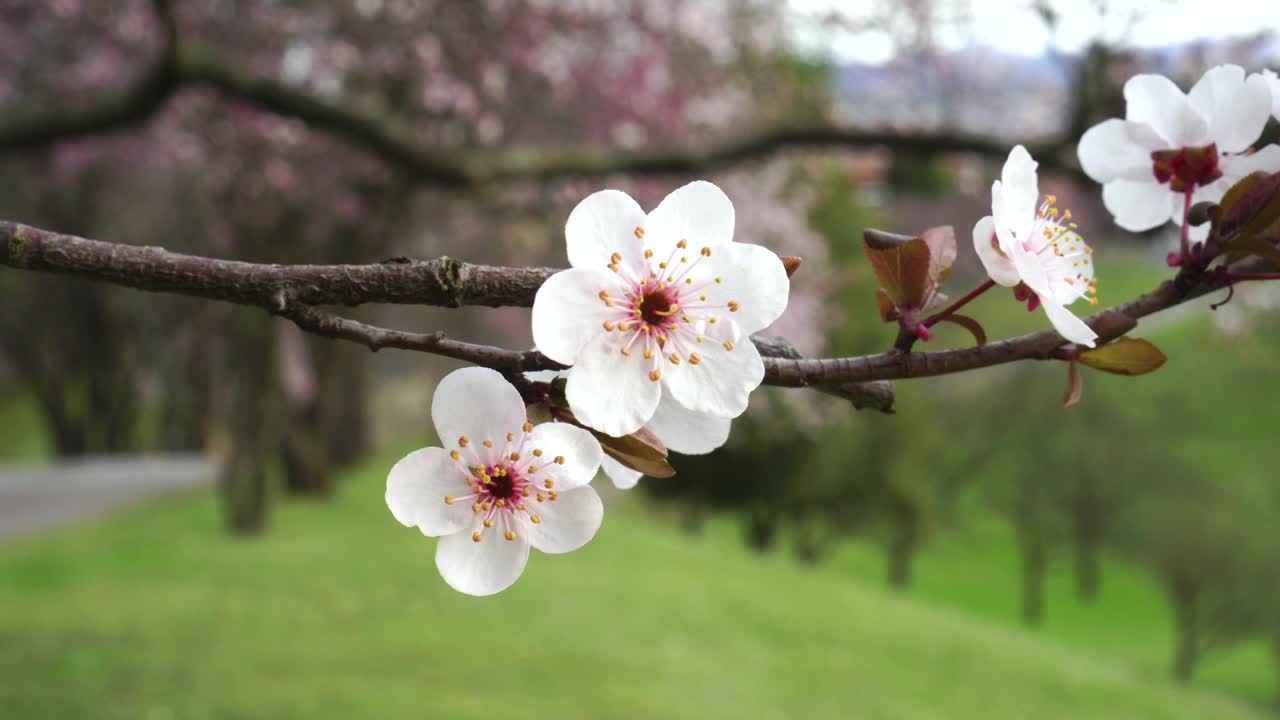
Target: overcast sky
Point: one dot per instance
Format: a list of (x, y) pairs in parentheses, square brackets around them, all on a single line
[(1010, 26)]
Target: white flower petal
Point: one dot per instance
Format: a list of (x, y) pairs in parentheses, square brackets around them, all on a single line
[(722, 382), (476, 403), (1019, 193), (1108, 152), (623, 477), (1236, 108), (609, 391), (1067, 324), (417, 486), (602, 224), (579, 448), (1031, 271), (481, 568), (1156, 101), (568, 311), (754, 278), (699, 212), (1273, 83), (998, 265), (568, 522), (1139, 205), (1235, 167), (685, 431)]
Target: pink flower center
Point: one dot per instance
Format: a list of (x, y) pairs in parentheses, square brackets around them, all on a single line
[(1186, 168), (509, 488), (667, 309)]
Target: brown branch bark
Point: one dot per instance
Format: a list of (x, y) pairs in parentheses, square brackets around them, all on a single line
[(291, 290)]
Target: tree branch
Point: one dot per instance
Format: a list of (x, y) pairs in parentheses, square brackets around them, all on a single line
[(182, 64), (291, 290)]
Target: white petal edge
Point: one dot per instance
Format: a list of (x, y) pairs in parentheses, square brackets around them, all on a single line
[(1139, 205), (417, 486), (579, 448), (1020, 192), (698, 212), (684, 431), (623, 477), (481, 568), (1156, 101), (609, 391), (1273, 83), (1108, 152), (754, 278), (1236, 108), (1068, 325), (998, 266), (603, 223), (722, 383), (477, 403), (568, 522), (568, 311)]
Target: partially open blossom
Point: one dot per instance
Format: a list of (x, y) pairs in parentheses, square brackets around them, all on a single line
[(680, 429), (1172, 143), (1029, 243), (498, 486), (655, 305)]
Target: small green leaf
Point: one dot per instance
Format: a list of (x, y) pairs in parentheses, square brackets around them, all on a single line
[(973, 326), (1125, 356), (640, 451), (1075, 388)]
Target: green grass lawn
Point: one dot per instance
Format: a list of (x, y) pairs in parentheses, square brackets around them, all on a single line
[(338, 613)]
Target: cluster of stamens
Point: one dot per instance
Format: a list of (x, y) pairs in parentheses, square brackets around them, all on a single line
[(1052, 235), (665, 310), (503, 489)]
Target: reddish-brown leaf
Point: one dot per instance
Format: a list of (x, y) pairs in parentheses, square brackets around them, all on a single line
[(902, 269), (1075, 389), (973, 326), (640, 451)]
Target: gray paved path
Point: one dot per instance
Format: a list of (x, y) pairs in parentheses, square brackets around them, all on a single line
[(37, 498)]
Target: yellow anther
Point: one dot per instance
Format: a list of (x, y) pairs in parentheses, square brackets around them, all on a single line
[(639, 232), (712, 319), (510, 437), (471, 481), (662, 265), (719, 280), (448, 499), (475, 507), (520, 506), (613, 267), (541, 497), (609, 325), (626, 352), (675, 358), (463, 441), (487, 443), (603, 295), (548, 483), (454, 454), (728, 345), (527, 427), (694, 358), (553, 495), (535, 519), (655, 375), (703, 298), (559, 460), (616, 257), (502, 502), (537, 453), (477, 537), (1093, 301), (523, 493), (486, 505), (648, 353), (648, 254), (511, 535), (682, 244), (698, 338), (706, 251), (488, 522), (688, 281), (733, 306), (532, 470)]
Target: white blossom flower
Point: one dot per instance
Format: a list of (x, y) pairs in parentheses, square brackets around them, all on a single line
[(658, 305), (1170, 143), (504, 485), (1273, 82), (1029, 242), (677, 427)]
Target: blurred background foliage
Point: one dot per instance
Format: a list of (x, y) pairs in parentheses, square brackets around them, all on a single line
[(981, 553)]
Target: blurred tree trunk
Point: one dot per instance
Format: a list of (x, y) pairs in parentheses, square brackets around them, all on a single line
[(344, 402), (762, 527), (1033, 546), (1088, 555), (903, 541), (253, 407), (1184, 595), (304, 454)]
